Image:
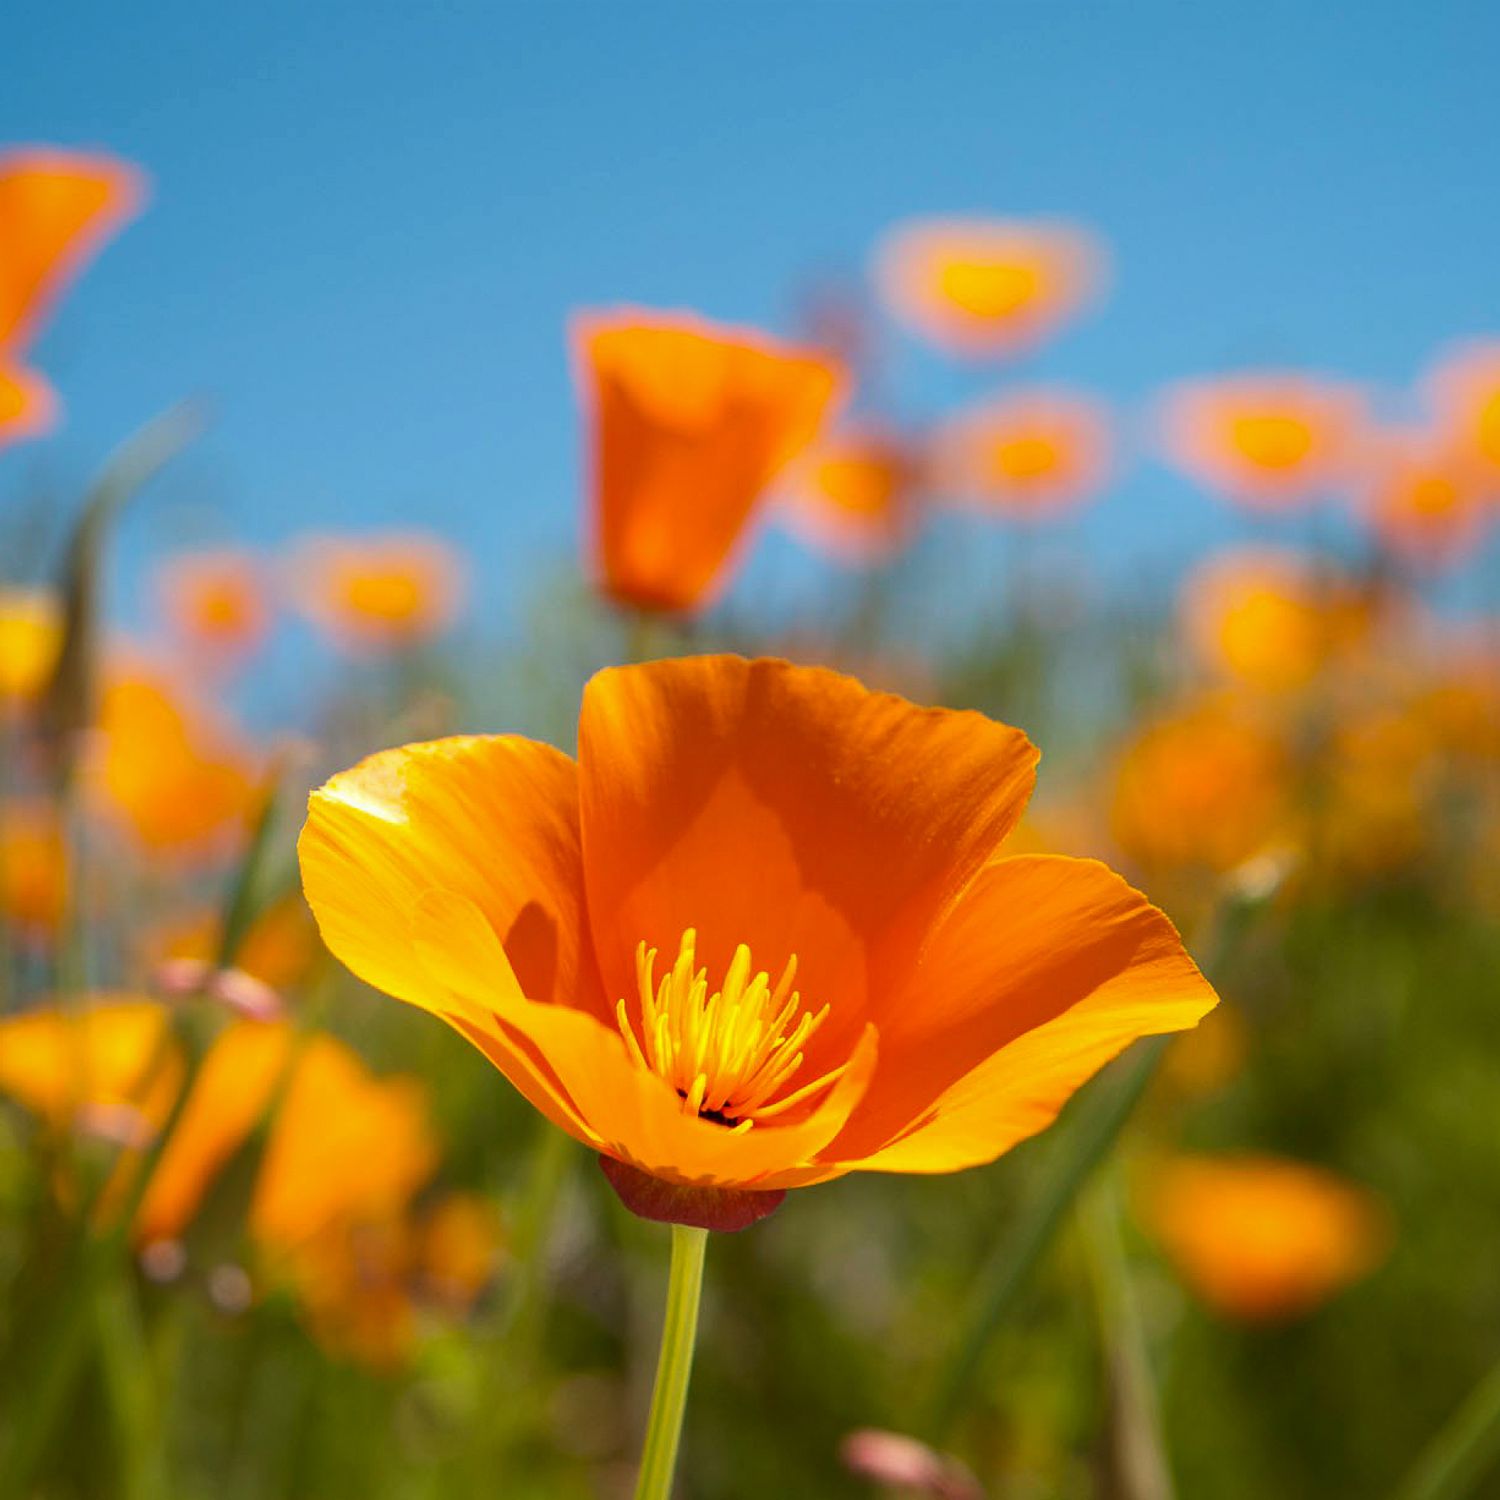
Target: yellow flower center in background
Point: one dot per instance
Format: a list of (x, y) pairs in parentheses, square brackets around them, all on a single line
[(990, 289), (1271, 440), (1024, 457), (1433, 495), (728, 1054), (393, 596)]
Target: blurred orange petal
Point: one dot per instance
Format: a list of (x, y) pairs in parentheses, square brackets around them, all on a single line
[(1465, 391), (28, 405), (1269, 441), (376, 594), (31, 629), (57, 208), (987, 288), (215, 603), (1029, 455), (1260, 1238), (855, 495), (688, 422), (1424, 502), (33, 869)]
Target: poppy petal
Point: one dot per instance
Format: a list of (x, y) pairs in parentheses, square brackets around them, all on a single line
[(596, 1092), (789, 809), (1047, 968), (493, 818), (56, 209)]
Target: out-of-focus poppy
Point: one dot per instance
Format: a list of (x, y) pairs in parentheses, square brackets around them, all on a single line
[(1272, 619), (31, 629), (33, 869), (721, 808), (375, 595), (279, 948), (1205, 787), (1423, 500), (987, 288), (108, 1054), (28, 405), (166, 770), (688, 423), (1271, 442), (1261, 1238), (855, 494), (57, 208), (459, 1241), (1027, 456), (215, 603), (1465, 390)]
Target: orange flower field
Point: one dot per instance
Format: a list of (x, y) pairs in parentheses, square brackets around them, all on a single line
[(945, 898)]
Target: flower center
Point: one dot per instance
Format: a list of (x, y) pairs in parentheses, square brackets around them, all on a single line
[(729, 1054)]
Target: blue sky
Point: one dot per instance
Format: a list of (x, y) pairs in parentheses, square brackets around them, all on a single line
[(371, 221)]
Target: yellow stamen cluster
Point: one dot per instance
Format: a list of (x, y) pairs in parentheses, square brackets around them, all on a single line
[(728, 1054)]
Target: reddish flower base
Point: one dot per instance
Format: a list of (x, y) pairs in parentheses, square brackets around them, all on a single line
[(724, 1209)]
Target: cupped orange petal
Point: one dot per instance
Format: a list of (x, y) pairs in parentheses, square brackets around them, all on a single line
[(602, 1096), (689, 422), (490, 818), (788, 809), (57, 208), (1044, 970), (28, 405)]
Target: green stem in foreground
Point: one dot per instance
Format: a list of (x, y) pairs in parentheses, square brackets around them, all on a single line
[(678, 1335)]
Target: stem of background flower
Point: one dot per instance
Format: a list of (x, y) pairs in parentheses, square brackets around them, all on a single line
[(1139, 1468), (674, 1365), (1464, 1450), (130, 1390)]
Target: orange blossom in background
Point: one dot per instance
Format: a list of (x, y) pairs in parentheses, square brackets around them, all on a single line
[(687, 424)]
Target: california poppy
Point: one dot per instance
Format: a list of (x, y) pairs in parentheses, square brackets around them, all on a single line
[(1271, 618), (215, 603), (1202, 787), (31, 628), (597, 928), (854, 495), (56, 209), (167, 770), (987, 287), (1465, 391), (1423, 499), (1262, 1238), (1028, 455), (373, 595), (1271, 442), (34, 868), (688, 423)]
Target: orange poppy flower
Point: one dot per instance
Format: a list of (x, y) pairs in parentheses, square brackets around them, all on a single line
[(597, 928), (1465, 389), (1271, 618), (33, 869), (987, 288), (378, 594), (28, 405), (1424, 502), (110, 1056), (1260, 1238), (216, 603), (1029, 455), (854, 496), (31, 629), (179, 781), (688, 424), (1270, 442), (1202, 788), (57, 208)]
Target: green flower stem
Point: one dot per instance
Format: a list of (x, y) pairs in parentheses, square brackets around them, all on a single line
[(1463, 1451), (678, 1335)]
